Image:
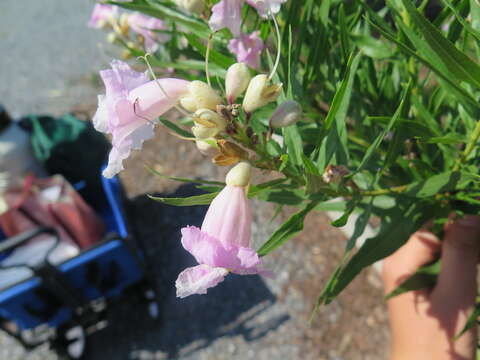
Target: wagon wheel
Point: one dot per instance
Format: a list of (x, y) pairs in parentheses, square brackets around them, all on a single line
[(71, 344)]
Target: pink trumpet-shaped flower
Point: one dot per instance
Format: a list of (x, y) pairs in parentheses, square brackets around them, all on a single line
[(130, 104), (265, 7), (144, 25), (221, 246), (227, 14), (101, 15), (247, 48)]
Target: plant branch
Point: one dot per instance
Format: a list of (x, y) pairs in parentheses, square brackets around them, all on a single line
[(469, 148)]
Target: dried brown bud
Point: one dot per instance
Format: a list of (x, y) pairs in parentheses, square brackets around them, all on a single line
[(230, 154), (334, 174)]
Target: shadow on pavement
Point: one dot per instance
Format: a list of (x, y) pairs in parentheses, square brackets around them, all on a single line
[(185, 325)]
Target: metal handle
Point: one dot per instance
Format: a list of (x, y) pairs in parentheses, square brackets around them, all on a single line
[(18, 240)]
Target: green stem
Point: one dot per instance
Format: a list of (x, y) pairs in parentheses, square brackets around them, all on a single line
[(392, 190), (469, 148)]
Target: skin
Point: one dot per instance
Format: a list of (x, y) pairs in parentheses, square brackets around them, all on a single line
[(424, 322)]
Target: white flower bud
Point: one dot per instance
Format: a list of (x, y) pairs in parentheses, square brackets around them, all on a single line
[(286, 114), (202, 132), (112, 37), (192, 6), (200, 96), (239, 175), (208, 124), (259, 93), (237, 80), (207, 149)]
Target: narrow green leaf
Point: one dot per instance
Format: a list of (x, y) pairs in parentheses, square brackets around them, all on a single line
[(289, 229), (360, 225), (395, 231), (254, 190), (466, 97), (456, 61), (472, 322), (185, 180), (342, 220), (425, 277), (444, 182), (204, 199), (294, 144), (341, 100), (215, 57), (176, 128), (374, 146), (335, 141)]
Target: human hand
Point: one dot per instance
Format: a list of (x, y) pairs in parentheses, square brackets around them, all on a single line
[(425, 322)]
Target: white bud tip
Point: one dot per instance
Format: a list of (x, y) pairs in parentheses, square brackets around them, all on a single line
[(239, 175), (236, 81)]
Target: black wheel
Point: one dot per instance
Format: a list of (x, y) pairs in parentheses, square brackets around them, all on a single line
[(71, 344), (153, 307)]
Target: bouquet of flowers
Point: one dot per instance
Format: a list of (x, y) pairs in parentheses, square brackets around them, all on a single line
[(365, 107)]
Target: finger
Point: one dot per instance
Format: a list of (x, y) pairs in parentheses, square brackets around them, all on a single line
[(420, 249), (460, 248)]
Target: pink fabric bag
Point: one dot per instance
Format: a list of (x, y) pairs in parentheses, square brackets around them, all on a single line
[(51, 202)]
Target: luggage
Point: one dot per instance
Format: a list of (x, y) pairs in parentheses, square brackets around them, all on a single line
[(51, 202)]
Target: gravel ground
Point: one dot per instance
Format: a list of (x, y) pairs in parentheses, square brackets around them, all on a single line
[(246, 317)]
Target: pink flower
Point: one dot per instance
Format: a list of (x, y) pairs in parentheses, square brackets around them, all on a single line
[(264, 7), (222, 245), (247, 48), (227, 14), (130, 104), (101, 15), (144, 25)]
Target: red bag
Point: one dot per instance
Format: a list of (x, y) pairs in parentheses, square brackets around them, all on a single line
[(51, 202)]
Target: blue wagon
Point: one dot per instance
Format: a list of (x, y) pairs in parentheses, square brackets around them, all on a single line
[(63, 303)]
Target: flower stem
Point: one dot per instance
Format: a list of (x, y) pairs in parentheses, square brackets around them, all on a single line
[(145, 58), (207, 57), (392, 190), (279, 47)]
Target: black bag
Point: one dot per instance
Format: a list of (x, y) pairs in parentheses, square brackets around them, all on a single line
[(70, 147)]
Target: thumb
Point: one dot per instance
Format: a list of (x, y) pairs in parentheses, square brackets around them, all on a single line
[(460, 251), (421, 248)]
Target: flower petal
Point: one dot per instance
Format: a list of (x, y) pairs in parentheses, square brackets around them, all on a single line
[(196, 280), (129, 132), (151, 102), (264, 7), (229, 217), (101, 14), (210, 251), (121, 79), (144, 25), (227, 14), (247, 48), (100, 120)]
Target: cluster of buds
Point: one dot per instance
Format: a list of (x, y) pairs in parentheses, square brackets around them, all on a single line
[(212, 118), (134, 29), (259, 90)]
